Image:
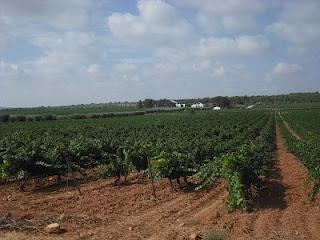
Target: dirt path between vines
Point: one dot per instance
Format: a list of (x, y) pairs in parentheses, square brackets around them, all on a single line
[(294, 133), (281, 211)]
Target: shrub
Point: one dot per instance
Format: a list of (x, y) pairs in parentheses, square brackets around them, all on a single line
[(37, 118), (93, 116), (30, 119), (78, 116), (50, 117), (17, 118), (4, 118)]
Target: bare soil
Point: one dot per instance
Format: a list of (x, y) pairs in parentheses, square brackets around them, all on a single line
[(283, 210), (103, 211)]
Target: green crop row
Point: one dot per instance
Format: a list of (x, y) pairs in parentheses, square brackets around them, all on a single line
[(304, 121), (242, 167), (306, 149), (177, 145), (6, 118)]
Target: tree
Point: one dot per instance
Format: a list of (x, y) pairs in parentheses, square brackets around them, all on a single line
[(149, 103), (140, 104)]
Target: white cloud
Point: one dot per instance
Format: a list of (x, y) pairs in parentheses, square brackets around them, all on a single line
[(14, 67), (66, 52), (229, 15), (197, 56), (93, 69), (23, 20), (125, 67), (172, 54), (219, 71), (240, 46), (65, 41), (286, 69), (58, 13), (4, 32), (6, 67), (10, 73), (126, 72), (289, 77), (157, 24), (52, 53), (165, 67), (299, 25), (198, 65)]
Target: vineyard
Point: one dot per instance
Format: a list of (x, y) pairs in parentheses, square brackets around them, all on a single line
[(162, 167), (304, 122), (235, 145), (67, 110), (303, 140)]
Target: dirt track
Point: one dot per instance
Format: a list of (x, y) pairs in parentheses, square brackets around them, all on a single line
[(282, 210), (293, 133)]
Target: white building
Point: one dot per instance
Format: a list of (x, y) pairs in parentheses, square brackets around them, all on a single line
[(216, 108), (180, 105), (197, 105)]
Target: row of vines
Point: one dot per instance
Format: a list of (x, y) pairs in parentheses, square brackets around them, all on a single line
[(306, 148), (236, 145)]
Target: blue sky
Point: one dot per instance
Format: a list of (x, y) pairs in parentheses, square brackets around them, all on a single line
[(57, 52)]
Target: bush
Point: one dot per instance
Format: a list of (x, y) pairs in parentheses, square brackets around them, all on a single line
[(4, 118), (104, 171), (17, 118), (78, 116), (119, 165), (50, 117), (62, 117), (93, 116), (37, 118), (107, 115), (30, 119)]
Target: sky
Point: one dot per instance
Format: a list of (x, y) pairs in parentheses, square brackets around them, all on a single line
[(58, 52)]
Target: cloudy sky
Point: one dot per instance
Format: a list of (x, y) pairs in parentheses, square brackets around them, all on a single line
[(60, 52)]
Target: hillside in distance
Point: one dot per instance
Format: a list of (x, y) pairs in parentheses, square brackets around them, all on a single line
[(283, 100)]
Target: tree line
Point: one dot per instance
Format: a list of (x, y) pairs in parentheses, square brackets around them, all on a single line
[(236, 101)]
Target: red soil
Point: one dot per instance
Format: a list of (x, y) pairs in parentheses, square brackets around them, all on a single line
[(281, 211)]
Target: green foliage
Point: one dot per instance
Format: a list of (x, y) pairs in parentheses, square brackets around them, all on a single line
[(292, 100), (241, 167), (237, 197), (119, 165), (4, 118), (149, 103), (172, 165), (235, 145), (209, 173), (68, 110), (140, 104), (306, 149)]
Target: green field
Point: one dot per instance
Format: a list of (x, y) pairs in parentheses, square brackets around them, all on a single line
[(314, 105), (67, 110), (236, 145), (306, 124)]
